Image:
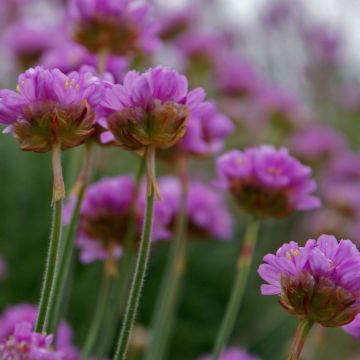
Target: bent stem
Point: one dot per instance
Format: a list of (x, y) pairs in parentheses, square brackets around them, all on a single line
[(140, 267), (54, 246), (167, 300), (301, 334), (62, 276), (237, 293), (95, 326)]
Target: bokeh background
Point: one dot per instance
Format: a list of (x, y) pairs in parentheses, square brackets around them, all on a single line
[(307, 56)]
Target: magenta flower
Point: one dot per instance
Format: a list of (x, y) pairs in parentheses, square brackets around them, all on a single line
[(353, 328), (69, 57), (206, 131), (104, 217), (51, 108), (150, 109), (24, 344), (26, 313), (267, 182), (120, 27), (319, 281), (233, 353), (317, 144), (207, 213)]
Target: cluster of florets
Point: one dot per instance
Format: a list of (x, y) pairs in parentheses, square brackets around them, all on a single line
[(267, 182), (120, 27), (319, 281), (150, 109), (233, 353), (51, 108)]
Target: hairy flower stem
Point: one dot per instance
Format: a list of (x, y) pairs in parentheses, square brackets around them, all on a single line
[(97, 320), (54, 247), (62, 276), (167, 299), (120, 290), (301, 334), (237, 293), (102, 60), (141, 264)]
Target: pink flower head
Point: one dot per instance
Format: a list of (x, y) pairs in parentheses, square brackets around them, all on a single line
[(206, 131), (207, 213), (150, 109), (26, 313), (24, 344), (233, 353), (316, 144), (121, 27), (104, 218), (319, 280), (51, 108), (69, 57), (267, 182)]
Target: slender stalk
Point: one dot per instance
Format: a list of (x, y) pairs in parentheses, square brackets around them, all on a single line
[(237, 293), (141, 264), (62, 276), (167, 299), (121, 289), (95, 326), (54, 247), (102, 60), (301, 334)]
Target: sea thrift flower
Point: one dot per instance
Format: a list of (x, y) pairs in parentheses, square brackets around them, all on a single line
[(233, 353), (50, 108), (104, 217), (24, 344), (207, 213), (267, 182), (319, 281), (120, 27), (206, 131)]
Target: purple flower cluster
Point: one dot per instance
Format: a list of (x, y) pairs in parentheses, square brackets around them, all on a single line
[(51, 108), (18, 341), (120, 27), (233, 353), (319, 280), (267, 182), (149, 109)]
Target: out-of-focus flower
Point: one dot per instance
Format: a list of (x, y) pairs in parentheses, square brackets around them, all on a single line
[(207, 213), (206, 131), (69, 57), (120, 27), (324, 44), (353, 328), (279, 12), (233, 353), (51, 109), (28, 41), (149, 110), (104, 218), (315, 145), (267, 182), (26, 313), (319, 281), (348, 97), (24, 344)]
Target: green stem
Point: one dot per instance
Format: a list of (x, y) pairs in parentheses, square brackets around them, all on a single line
[(233, 306), (101, 61), (62, 276), (299, 339), (95, 326), (127, 263), (141, 265), (167, 299)]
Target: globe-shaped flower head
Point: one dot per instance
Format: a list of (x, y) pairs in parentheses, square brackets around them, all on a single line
[(267, 182), (51, 110), (121, 27), (319, 281)]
